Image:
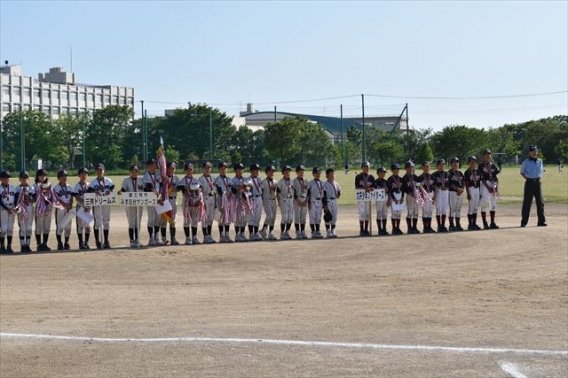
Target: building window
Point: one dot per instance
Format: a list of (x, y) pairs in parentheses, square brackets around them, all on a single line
[(91, 99), (55, 94), (6, 93), (107, 100), (99, 99), (65, 110), (64, 95), (46, 110), (6, 108), (115, 100), (55, 110), (17, 107), (36, 93), (37, 108), (27, 107), (46, 93), (27, 93), (16, 94), (74, 96)]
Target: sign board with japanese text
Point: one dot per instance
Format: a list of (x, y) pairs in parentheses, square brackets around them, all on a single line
[(138, 199), (375, 195), (93, 199)]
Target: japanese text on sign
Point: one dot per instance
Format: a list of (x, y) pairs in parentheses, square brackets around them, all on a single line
[(375, 195), (138, 199), (92, 199)]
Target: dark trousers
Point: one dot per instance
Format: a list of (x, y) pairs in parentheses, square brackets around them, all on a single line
[(533, 189)]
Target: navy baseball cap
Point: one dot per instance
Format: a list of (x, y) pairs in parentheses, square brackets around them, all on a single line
[(440, 161), (5, 174), (409, 164), (395, 166), (24, 174), (62, 173), (316, 170), (454, 160), (222, 164), (286, 168), (82, 170), (134, 168), (270, 168), (254, 167), (239, 166), (471, 158), (426, 163), (206, 164), (300, 168), (187, 166), (151, 161), (487, 151), (100, 166), (381, 169), (365, 164), (172, 164), (533, 147)]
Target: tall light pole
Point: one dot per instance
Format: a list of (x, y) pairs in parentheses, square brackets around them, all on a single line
[(1, 146), (22, 142), (211, 133), (144, 157), (342, 143), (364, 141), (83, 139)]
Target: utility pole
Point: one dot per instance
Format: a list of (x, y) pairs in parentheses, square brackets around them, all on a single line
[(144, 157), (342, 144), (211, 134), (364, 142), (22, 142), (274, 113), (146, 134), (83, 138)]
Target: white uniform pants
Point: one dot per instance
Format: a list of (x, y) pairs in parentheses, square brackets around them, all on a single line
[(242, 216), (102, 214), (333, 210), (456, 202), (382, 209), (473, 203), (287, 210), (256, 212), (412, 207), (487, 198), (173, 202), (134, 216), (27, 223), (82, 226), (7, 223), (442, 202), (194, 215), (363, 210), (43, 224), (428, 208), (153, 217), (300, 213), (396, 214), (316, 209), (270, 211), (59, 215), (209, 210)]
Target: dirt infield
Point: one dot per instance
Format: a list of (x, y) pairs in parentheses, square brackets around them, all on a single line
[(504, 288)]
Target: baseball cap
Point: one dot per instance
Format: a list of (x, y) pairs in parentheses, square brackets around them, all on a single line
[(408, 164), (365, 164), (395, 166), (82, 170), (471, 158), (381, 169), (440, 161), (134, 168), (316, 170), (171, 164), (270, 168), (300, 168), (533, 147), (5, 174), (24, 174), (222, 164), (100, 166), (286, 168), (206, 164), (187, 166), (426, 163), (254, 167), (62, 173), (454, 160), (151, 161), (239, 166), (487, 151)]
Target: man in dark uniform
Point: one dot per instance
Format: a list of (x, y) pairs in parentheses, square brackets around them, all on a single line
[(532, 171), (409, 181), (364, 181), (489, 186)]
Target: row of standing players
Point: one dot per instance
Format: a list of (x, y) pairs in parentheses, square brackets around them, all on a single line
[(238, 200), (444, 190)]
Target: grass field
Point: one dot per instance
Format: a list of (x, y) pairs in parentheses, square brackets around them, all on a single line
[(555, 184)]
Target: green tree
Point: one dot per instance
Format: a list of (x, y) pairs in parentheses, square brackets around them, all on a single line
[(283, 138), (69, 130), (460, 141), (424, 154), (171, 153)]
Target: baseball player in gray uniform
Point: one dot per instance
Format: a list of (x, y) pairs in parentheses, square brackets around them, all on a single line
[(133, 184), (285, 198), (7, 212), (332, 192), (209, 198), (78, 192), (172, 182), (193, 206), (44, 200), (64, 193), (225, 203), (300, 185), (152, 181), (101, 185), (268, 187), (254, 221), (242, 189), (25, 194), (315, 204)]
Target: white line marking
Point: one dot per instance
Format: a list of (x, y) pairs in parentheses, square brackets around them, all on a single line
[(512, 370), (323, 344)]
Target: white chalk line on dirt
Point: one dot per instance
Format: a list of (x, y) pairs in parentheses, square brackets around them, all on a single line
[(512, 370), (324, 344)]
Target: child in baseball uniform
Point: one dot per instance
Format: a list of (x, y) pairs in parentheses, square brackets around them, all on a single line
[(268, 187), (300, 186), (209, 199), (254, 221), (82, 187), (397, 197), (242, 189), (133, 184), (44, 201), (285, 202), (489, 188), (315, 201), (409, 181), (441, 197), (380, 183), (101, 185), (472, 187), (7, 212), (332, 192), (427, 181), (364, 181), (456, 179), (152, 181), (226, 203), (172, 185), (25, 197), (64, 193), (193, 206)]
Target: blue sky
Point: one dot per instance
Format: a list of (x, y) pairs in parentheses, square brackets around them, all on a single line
[(230, 53)]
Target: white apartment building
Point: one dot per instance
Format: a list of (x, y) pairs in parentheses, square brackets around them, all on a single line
[(55, 93)]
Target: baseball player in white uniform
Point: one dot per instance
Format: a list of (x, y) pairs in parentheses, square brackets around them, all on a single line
[(101, 185), (152, 181), (82, 187), (242, 189), (332, 192), (133, 184), (409, 181), (489, 188), (315, 203), (226, 203), (285, 197), (364, 181), (64, 193), (456, 179), (7, 212), (268, 188), (209, 198), (380, 183), (193, 206), (301, 202), (172, 182), (44, 201), (472, 184), (256, 193), (427, 181), (441, 196), (25, 197)]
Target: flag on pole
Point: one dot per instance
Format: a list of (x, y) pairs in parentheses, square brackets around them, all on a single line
[(164, 188)]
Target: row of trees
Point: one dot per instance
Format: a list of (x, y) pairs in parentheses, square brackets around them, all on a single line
[(112, 136)]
